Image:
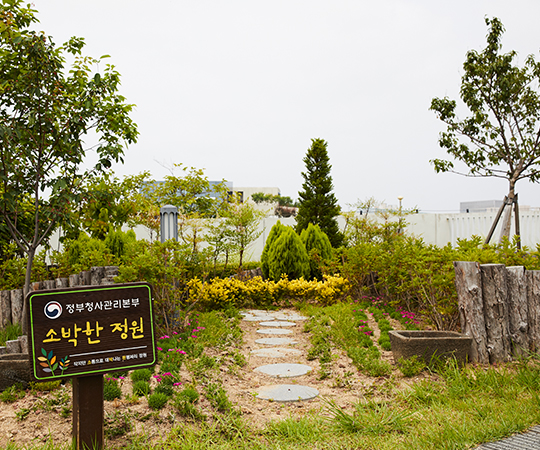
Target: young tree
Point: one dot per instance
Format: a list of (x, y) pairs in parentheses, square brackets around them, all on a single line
[(242, 227), (501, 134), (275, 232), (317, 204), (45, 115), (288, 256), (318, 247)]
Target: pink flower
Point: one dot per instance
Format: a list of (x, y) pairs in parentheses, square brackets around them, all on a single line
[(193, 336), (177, 384), (159, 348), (174, 332)]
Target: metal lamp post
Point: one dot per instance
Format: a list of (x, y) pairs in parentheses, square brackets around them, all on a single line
[(168, 217)]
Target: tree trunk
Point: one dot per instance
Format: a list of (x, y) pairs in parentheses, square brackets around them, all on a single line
[(26, 289), (532, 278), (495, 295), (471, 308), (518, 310), (507, 220)]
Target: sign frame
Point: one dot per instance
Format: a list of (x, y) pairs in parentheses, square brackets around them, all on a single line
[(135, 315)]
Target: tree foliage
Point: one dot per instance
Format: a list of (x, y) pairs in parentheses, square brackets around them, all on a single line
[(317, 204), (275, 232), (318, 247), (45, 116), (500, 138), (288, 257)]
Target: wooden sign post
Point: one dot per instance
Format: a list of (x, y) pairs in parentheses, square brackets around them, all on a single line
[(84, 332)]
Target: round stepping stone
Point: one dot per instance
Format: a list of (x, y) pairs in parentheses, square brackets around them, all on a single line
[(274, 352), (287, 393), (284, 370), (291, 317), (275, 341), (277, 323), (258, 318), (273, 331)]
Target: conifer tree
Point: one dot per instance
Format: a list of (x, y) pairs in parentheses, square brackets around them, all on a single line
[(317, 203), (272, 236), (288, 256), (318, 247)]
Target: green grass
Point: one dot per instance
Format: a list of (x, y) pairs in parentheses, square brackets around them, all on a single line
[(10, 333)]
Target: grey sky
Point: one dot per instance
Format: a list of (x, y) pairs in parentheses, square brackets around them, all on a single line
[(240, 87)]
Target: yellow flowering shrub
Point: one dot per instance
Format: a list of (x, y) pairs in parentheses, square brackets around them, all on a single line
[(219, 292)]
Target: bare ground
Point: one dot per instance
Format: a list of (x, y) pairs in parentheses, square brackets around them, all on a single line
[(36, 419)]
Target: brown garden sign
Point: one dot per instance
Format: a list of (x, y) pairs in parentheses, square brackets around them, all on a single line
[(84, 332)]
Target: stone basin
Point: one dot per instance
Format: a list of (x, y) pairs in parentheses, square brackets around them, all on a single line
[(429, 344)]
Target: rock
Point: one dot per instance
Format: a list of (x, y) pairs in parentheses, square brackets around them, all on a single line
[(13, 346), (5, 308)]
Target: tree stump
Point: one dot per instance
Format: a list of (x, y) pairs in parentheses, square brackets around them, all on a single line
[(17, 302), (495, 295), (518, 310), (532, 279), (471, 308), (5, 308)]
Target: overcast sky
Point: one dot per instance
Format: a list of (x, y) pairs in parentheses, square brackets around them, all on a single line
[(240, 87)]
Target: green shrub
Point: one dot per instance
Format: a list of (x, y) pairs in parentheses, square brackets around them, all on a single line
[(288, 257), (165, 389), (141, 388), (318, 247), (412, 366), (275, 232), (188, 394), (111, 390), (12, 394), (141, 375), (157, 400)]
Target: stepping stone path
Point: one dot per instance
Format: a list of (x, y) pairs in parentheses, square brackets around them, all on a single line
[(279, 323)]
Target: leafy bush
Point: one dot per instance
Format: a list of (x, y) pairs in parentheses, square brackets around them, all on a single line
[(275, 232), (141, 375), (318, 247), (157, 400), (189, 394), (111, 390), (141, 388), (288, 256)]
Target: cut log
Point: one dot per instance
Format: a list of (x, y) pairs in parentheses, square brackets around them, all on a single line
[(17, 302), (518, 310), (74, 280), (5, 308), (532, 278), (495, 295), (96, 275), (471, 308)]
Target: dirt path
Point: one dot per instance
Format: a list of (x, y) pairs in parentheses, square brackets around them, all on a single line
[(36, 419)]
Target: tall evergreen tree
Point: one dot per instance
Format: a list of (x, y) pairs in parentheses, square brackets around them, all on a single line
[(317, 204)]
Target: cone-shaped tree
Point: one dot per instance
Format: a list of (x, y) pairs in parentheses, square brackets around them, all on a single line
[(318, 247), (272, 236), (288, 256), (317, 204)]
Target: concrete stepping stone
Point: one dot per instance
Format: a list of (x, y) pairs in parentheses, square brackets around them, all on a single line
[(258, 318), (291, 317), (277, 323), (276, 341), (284, 370), (274, 331), (275, 352), (287, 393)]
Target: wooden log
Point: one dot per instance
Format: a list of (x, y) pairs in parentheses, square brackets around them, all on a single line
[(495, 295), (468, 283), (532, 279), (17, 302), (96, 275), (517, 310), (62, 283), (49, 284), (74, 280), (5, 308), (85, 278), (36, 286)]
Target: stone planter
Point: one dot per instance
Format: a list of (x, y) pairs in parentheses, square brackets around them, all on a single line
[(15, 368), (429, 344)]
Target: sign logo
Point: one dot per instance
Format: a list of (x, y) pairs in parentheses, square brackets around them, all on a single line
[(53, 310)]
